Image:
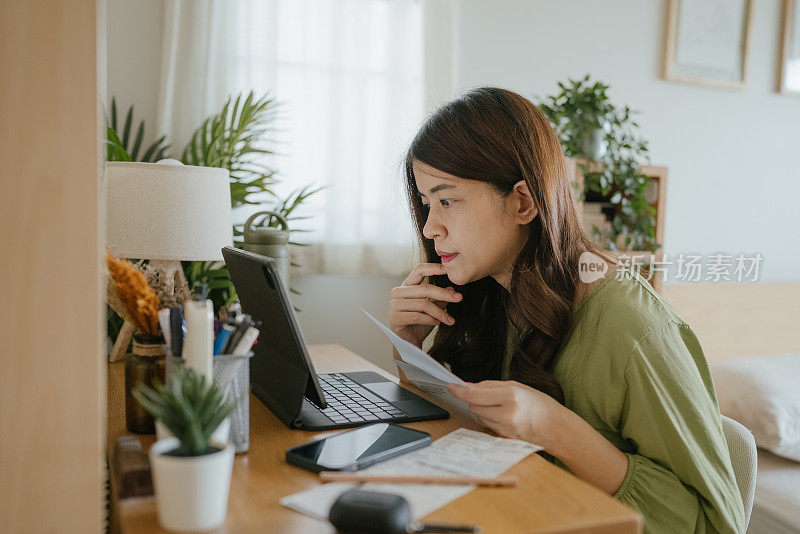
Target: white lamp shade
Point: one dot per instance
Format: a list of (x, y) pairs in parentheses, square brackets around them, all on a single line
[(168, 212)]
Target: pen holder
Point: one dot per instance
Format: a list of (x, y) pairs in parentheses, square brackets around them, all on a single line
[(232, 375)]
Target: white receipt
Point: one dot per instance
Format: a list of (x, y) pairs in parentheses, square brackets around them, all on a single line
[(424, 372), (462, 452)]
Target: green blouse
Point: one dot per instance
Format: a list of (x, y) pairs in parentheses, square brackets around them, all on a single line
[(634, 370)]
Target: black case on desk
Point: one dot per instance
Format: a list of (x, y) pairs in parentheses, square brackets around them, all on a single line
[(281, 371)]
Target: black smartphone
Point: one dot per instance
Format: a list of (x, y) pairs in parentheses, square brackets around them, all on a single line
[(357, 449)]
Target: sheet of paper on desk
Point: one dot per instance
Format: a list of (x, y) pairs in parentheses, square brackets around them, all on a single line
[(462, 452)]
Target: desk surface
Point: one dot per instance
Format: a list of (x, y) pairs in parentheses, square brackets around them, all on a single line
[(548, 499)]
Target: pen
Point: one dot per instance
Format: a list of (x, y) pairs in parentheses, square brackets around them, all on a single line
[(200, 291), (249, 337), (244, 322), (222, 338), (500, 482), (234, 310), (177, 330)]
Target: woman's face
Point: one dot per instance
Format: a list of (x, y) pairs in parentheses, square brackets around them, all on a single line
[(476, 231)]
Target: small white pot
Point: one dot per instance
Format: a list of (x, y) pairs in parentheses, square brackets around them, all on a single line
[(191, 491), (221, 435)]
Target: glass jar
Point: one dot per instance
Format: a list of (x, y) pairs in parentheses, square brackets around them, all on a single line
[(143, 364)]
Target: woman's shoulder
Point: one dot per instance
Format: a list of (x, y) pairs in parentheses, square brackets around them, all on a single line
[(623, 310)]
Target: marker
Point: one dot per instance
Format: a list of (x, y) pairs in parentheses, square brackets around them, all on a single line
[(222, 338), (244, 345), (243, 322), (177, 328)]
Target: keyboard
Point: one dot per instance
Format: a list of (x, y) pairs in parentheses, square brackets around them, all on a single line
[(349, 402)]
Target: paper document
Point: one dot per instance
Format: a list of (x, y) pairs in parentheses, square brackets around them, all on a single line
[(424, 372), (415, 356), (462, 452)]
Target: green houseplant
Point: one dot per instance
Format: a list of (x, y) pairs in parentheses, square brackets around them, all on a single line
[(580, 115), (235, 138), (580, 107), (191, 409), (121, 146)]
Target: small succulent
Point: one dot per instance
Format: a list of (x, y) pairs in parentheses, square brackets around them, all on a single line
[(189, 407)]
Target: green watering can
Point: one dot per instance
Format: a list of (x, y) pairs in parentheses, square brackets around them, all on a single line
[(269, 241)]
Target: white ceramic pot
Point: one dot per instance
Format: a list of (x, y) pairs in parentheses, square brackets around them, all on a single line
[(593, 145), (221, 434), (191, 491)]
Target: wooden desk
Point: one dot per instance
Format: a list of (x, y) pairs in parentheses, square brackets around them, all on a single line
[(548, 499)]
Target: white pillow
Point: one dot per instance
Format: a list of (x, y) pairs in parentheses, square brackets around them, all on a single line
[(763, 394)]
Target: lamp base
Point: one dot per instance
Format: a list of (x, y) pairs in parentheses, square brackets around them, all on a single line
[(122, 342), (171, 273), (175, 283)]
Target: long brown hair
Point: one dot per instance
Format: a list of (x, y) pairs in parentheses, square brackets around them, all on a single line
[(496, 136)]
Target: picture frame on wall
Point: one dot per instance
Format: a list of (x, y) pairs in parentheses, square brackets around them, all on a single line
[(789, 62), (706, 42)]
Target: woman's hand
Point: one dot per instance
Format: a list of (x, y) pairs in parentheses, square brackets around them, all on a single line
[(416, 307), (512, 410)]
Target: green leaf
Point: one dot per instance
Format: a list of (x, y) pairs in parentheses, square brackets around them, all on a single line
[(127, 129), (152, 150), (113, 113), (137, 143), (189, 407), (115, 150), (573, 112)]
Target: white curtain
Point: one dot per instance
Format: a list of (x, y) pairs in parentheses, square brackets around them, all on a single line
[(349, 78), (195, 61)]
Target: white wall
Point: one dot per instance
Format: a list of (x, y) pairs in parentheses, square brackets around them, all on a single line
[(331, 312), (734, 181), (733, 184), (135, 32)]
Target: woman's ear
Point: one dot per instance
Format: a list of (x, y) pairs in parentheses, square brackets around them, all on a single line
[(524, 207)]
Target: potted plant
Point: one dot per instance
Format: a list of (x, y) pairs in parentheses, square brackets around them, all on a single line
[(233, 139), (191, 472), (580, 113)]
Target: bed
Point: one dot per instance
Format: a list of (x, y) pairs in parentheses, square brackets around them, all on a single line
[(742, 320)]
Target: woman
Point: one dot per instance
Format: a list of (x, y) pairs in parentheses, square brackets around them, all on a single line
[(602, 373)]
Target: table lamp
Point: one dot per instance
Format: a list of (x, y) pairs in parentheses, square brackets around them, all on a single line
[(166, 212)]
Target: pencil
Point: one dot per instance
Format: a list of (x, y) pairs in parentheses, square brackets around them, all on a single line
[(331, 476)]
